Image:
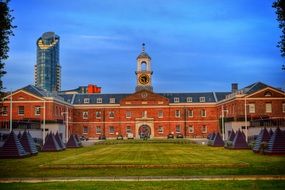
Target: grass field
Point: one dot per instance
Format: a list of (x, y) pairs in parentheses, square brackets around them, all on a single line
[(172, 185), (143, 159)]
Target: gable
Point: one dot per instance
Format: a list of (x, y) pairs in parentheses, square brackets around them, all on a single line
[(144, 97), (267, 93), (22, 95)]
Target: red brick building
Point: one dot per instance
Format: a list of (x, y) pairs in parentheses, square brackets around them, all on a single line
[(142, 113)]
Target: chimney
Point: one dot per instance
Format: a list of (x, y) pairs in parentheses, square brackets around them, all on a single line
[(234, 87)]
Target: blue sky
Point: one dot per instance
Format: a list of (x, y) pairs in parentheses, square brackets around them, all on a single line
[(195, 45)]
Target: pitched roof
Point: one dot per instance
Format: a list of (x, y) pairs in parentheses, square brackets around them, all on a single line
[(41, 92)]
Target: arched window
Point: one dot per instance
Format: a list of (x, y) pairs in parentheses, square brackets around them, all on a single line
[(143, 66)]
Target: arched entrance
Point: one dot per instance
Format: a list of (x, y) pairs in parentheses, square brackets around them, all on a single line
[(144, 131)]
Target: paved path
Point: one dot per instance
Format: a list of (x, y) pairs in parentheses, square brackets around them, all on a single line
[(145, 178)]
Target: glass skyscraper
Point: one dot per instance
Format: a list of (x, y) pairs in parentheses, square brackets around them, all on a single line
[(47, 69)]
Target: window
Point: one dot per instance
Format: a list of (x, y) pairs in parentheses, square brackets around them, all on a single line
[(177, 113), (189, 99), (86, 100), (99, 100), (190, 113), (202, 99), (283, 107), (191, 129), (111, 114), (176, 100), (251, 108), (98, 114), (85, 130), (178, 130), (98, 129), (4, 110), (21, 110), (111, 130), (160, 129), (85, 115), (160, 114), (203, 113), (268, 94), (268, 108), (204, 129), (128, 114), (37, 110), (128, 129), (112, 100)]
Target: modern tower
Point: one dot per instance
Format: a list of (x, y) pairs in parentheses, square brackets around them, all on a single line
[(144, 71), (47, 69)]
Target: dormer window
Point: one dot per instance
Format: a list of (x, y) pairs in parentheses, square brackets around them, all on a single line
[(189, 99), (176, 100), (99, 100), (267, 94), (112, 100), (86, 100), (202, 99)]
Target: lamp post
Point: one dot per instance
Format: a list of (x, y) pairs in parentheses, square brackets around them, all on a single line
[(44, 121), (11, 112), (66, 122), (223, 122), (245, 119)]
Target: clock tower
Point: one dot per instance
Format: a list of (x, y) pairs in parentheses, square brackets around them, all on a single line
[(143, 71)]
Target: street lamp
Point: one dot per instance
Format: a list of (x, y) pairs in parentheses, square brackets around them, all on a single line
[(245, 119), (66, 122), (11, 110), (44, 121), (223, 122)]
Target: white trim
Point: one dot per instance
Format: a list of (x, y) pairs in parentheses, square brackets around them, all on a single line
[(131, 122)]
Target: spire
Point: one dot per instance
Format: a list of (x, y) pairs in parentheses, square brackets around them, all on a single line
[(143, 47)]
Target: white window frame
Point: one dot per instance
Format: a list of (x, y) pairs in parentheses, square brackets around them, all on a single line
[(112, 100), (4, 110), (85, 115), (99, 100), (111, 127), (111, 114), (128, 129), (203, 113), (177, 127), (21, 112), (189, 99), (251, 108), (85, 130), (190, 111), (191, 129), (204, 128), (128, 114), (86, 100), (98, 114), (37, 110), (177, 113), (176, 100), (160, 114), (268, 107), (160, 129), (202, 99), (98, 130)]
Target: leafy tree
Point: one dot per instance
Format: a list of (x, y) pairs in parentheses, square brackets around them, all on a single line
[(279, 6), (5, 32)]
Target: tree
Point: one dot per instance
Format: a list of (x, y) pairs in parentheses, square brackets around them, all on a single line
[(279, 5), (5, 32)]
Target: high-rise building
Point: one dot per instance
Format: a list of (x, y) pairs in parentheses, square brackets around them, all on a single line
[(47, 69)]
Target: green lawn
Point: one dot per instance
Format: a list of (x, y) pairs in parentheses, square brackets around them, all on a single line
[(170, 185), (168, 159)]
